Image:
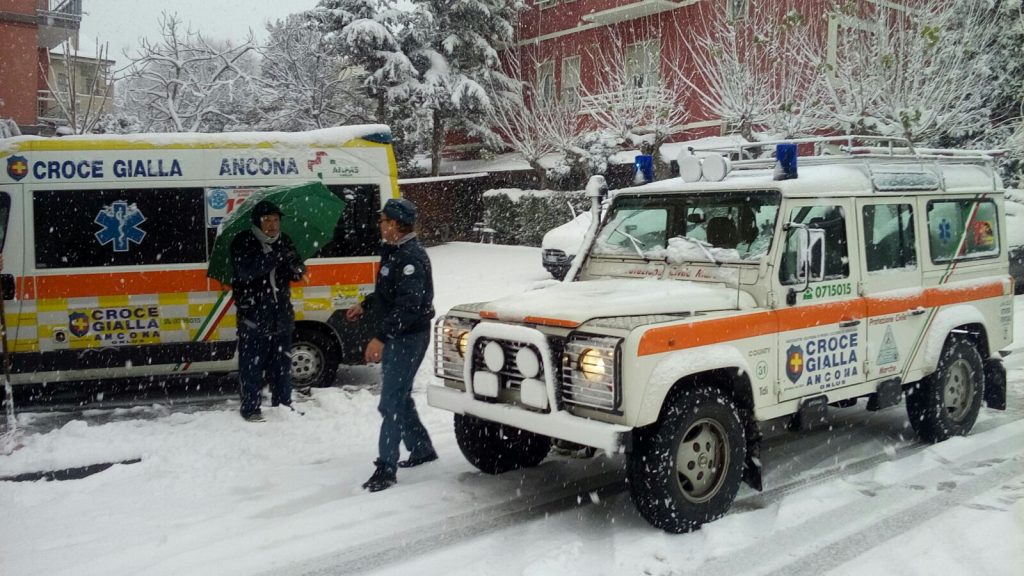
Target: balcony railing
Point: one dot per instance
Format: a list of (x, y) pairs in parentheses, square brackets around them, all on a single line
[(65, 13), (50, 110), (649, 96)]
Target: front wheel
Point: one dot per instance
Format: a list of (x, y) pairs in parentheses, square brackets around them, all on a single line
[(314, 359), (946, 403), (496, 448), (686, 470)]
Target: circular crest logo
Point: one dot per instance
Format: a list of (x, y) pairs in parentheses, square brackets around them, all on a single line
[(218, 199)]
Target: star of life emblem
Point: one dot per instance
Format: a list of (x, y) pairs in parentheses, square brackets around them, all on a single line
[(120, 222)]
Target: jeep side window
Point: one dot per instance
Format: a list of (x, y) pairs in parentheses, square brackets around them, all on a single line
[(831, 219), (962, 230), (889, 237)]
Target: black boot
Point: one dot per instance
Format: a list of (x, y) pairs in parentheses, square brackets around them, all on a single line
[(413, 462), (382, 479)]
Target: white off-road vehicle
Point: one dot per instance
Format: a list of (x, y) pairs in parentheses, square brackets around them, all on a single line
[(737, 294)]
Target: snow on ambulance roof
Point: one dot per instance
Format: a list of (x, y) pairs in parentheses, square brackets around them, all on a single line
[(322, 138), (840, 179)]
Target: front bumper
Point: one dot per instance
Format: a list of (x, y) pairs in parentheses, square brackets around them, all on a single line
[(612, 438)]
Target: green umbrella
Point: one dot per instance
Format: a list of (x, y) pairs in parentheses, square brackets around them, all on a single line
[(311, 213)]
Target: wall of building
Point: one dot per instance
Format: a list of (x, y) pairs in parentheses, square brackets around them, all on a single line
[(19, 60)]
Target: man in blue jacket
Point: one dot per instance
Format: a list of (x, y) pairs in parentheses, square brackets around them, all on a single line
[(265, 262), (402, 305)]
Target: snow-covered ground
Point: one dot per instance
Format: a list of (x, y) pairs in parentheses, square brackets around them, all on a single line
[(213, 494)]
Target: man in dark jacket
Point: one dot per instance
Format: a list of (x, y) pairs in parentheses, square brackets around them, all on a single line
[(265, 263), (403, 305)]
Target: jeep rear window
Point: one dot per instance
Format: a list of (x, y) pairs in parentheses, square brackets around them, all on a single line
[(724, 226), (963, 229)]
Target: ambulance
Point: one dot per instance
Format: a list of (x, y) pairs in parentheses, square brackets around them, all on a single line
[(106, 241), (836, 272)]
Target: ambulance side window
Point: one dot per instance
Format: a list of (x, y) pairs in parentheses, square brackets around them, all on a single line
[(889, 242), (136, 227), (831, 219), (5, 213), (357, 233), (964, 229)]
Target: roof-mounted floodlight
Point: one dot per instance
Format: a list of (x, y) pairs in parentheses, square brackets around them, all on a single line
[(716, 168), (689, 166)]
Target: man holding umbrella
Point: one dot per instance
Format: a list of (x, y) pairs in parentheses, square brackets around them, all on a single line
[(264, 262), (402, 304)]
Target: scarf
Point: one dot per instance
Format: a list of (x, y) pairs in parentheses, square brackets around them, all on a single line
[(265, 242)]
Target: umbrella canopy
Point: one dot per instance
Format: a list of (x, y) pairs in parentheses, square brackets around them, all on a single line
[(311, 213)]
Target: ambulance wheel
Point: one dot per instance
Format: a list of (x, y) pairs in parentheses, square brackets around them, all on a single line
[(946, 403), (685, 470), (314, 359), (496, 448)]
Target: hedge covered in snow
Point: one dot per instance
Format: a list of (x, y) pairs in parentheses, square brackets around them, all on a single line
[(523, 216)]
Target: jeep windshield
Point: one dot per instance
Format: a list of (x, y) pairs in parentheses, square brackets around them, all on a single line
[(704, 227)]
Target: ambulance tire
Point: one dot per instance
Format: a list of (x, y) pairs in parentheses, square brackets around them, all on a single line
[(946, 403), (496, 448), (314, 359), (685, 470)]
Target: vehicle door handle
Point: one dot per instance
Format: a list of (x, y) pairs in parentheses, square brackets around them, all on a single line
[(849, 323), (918, 311)]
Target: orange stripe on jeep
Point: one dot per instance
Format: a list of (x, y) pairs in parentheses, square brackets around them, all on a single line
[(551, 322), (714, 331)]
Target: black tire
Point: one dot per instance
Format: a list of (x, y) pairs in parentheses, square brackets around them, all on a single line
[(314, 359), (496, 448), (946, 403), (667, 479)]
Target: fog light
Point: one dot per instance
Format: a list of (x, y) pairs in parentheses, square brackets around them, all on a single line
[(534, 393), (527, 362), (494, 356)]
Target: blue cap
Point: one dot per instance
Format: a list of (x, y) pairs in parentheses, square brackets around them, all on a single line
[(400, 210)]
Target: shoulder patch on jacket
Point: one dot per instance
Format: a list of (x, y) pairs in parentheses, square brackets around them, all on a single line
[(408, 270)]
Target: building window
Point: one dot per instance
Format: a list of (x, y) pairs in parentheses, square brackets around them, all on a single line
[(546, 81), (571, 79), (642, 64), (545, 4), (737, 9)]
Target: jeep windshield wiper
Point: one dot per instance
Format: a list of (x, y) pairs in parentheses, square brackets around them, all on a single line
[(638, 245), (704, 248)]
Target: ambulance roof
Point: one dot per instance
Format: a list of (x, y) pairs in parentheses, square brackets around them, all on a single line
[(846, 178), (323, 138)]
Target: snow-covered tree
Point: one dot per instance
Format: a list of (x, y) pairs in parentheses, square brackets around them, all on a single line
[(304, 84), (746, 72), (632, 100), (452, 45), (917, 74), (81, 106), (185, 83)]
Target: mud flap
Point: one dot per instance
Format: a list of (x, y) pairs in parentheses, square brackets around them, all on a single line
[(752, 465), (995, 384)]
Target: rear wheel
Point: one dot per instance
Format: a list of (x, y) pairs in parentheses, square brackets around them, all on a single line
[(314, 359), (946, 403), (496, 448), (686, 470)]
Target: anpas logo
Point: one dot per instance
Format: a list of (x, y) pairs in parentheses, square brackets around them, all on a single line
[(794, 363), (78, 323), (218, 198), (17, 167), (120, 222)]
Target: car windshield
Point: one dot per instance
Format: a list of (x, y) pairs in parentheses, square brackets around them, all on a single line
[(718, 227)]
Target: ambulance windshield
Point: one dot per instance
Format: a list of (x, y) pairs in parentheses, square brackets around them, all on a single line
[(712, 227)]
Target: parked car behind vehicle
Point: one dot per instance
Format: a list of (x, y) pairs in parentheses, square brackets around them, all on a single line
[(1015, 237), (560, 244)]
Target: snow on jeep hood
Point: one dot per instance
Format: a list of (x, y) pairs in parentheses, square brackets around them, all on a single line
[(572, 304)]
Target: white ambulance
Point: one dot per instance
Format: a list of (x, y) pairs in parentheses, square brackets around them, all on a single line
[(106, 239), (740, 293)]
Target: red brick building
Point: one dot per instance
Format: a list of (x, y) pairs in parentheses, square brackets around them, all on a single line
[(28, 30), (559, 42)]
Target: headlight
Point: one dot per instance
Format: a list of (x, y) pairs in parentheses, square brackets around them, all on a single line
[(592, 364), (451, 339), (589, 374)]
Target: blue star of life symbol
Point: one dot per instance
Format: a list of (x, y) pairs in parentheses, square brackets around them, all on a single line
[(945, 230), (120, 223)]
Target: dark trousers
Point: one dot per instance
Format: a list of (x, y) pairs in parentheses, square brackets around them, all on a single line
[(264, 355), (402, 358)]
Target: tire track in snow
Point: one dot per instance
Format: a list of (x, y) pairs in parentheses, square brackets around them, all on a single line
[(423, 538)]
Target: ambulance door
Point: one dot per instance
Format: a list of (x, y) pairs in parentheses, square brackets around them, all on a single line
[(821, 315), (892, 283), (12, 269)]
